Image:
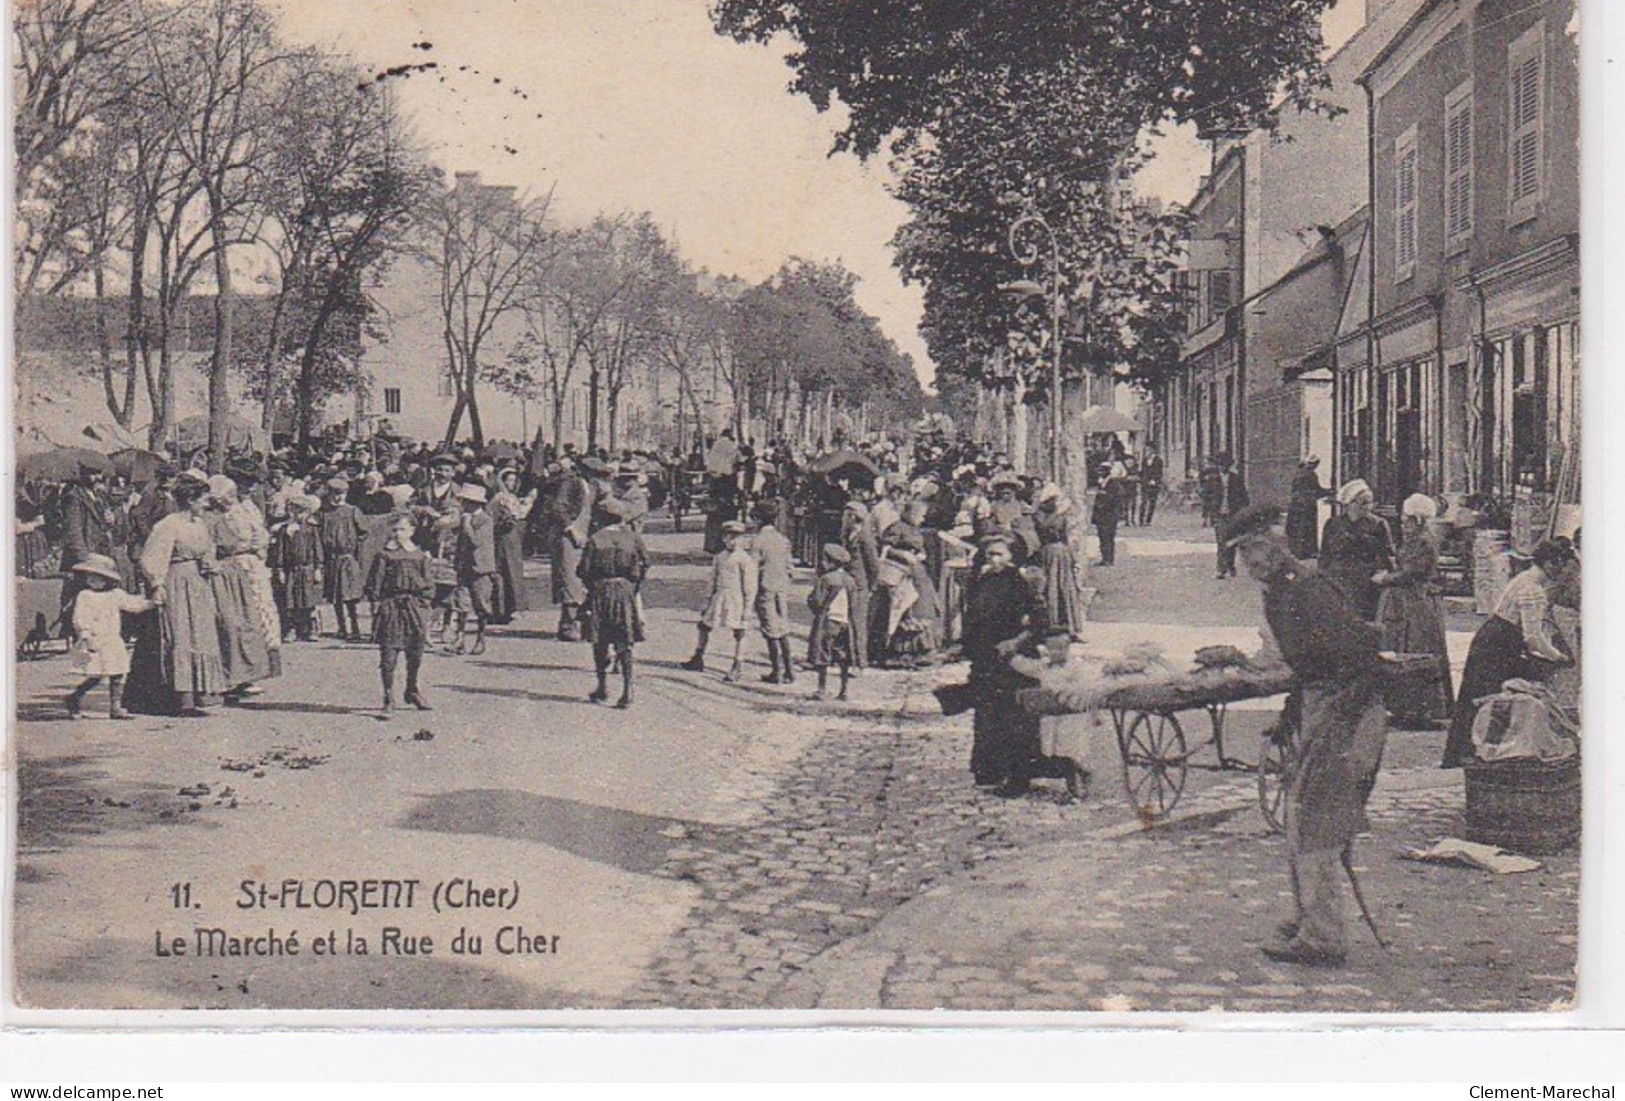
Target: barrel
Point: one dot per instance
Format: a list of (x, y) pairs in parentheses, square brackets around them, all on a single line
[(1524, 806)]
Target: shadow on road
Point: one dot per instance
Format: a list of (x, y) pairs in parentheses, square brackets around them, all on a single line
[(63, 800), (623, 839), (516, 694)]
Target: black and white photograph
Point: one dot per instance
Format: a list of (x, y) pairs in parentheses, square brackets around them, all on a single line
[(1064, 508)]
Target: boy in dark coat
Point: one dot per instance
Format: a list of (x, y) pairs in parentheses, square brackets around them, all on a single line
[(341, 558)]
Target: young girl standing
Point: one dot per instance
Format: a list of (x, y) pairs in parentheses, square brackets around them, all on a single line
[(99, 650), (399, 585)]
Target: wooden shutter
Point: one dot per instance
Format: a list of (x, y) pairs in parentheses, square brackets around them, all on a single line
[(1524, 89), (1458, 158)]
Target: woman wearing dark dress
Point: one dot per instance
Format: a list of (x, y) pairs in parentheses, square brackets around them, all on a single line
[(1356, 546), (613, 564), (1519, 641), (399, 587), (1001, 615), (1411, 620)]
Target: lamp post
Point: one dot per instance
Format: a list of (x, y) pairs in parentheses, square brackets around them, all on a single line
[(1028, 288)]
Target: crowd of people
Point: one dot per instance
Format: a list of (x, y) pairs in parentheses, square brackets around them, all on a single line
[(182, 588), (218, 573)]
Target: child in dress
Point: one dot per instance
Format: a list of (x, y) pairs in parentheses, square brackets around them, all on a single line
[(341, 566), (833, 637), (296, 562), (733, 596), (400, 586), (99, 649)]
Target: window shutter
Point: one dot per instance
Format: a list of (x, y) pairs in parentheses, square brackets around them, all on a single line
[(1524, 89), (1458, 193)]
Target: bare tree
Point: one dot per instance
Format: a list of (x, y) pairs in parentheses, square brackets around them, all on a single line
[(223, 99), (491, 251), (343, 183)]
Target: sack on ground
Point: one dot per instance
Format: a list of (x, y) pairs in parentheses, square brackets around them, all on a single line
[(1523, 721)]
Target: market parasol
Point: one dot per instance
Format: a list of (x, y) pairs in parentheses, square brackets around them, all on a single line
[(137, 464), (241, 435), (60, 464), (1098, 419), (841, 458)]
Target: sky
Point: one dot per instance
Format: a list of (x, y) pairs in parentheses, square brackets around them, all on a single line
[(639, 105)]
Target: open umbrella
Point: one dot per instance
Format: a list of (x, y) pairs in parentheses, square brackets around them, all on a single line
[(501, 451), (137, 464), (241, 435), (830, 462), (60, 464), (1098, 419)]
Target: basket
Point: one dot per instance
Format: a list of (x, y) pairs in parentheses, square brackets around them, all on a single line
[(1524, 805)]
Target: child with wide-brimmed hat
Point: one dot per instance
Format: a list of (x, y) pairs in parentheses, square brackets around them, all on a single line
[(99, 649)]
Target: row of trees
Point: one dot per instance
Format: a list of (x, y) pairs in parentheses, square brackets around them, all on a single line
[(174, 149), (533, 310), (994, 109)]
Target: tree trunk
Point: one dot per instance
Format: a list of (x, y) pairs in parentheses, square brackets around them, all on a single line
[(592, 406), (475, 428), (273, 354), (1018, 426), (456, 420), (613, 410), (220, 358), (104, 346)]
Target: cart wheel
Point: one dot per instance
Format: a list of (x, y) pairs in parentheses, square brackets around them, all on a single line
[(1272, 783), (1154, 763)]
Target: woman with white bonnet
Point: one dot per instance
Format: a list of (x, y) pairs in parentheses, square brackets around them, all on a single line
[(1356, 546), (1412, 620), (1060, 592)]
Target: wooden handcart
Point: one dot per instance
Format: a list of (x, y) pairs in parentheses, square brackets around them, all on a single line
[(1152, 743), (1151, 740)]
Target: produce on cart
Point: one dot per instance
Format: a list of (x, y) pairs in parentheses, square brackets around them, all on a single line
[(1144, 692)]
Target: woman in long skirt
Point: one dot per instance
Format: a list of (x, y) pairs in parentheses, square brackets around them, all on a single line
[(509, 512), (252, 653), (613, 564), (1519, 641), (177, 562), (1061, 594), (1411, 620)]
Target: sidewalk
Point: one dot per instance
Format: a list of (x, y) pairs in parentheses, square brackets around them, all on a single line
[(1172, 920)]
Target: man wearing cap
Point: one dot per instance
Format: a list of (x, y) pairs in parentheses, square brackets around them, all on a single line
[(860, 544), (476, 565), (342, 579), (1341, 729), (1151, 475), (1303, 509), (86, 530), (1236, 501), (567, 505), (772, 549)]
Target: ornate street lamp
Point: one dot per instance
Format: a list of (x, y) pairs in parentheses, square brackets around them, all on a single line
[(1027, 254)]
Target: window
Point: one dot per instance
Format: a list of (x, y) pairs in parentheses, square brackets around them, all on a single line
[(1221, 292), (448, 388), (1525, 104), (1405, 171), (392, 399), (1458, 167)]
